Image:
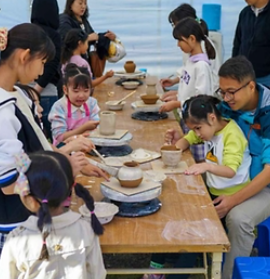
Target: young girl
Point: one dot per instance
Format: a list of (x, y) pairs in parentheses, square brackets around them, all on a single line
[(196, 75), (226, 165), (76, 112), (57, 242), (75, 45)]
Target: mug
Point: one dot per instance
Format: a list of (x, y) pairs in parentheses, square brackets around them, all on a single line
[(107, 123)]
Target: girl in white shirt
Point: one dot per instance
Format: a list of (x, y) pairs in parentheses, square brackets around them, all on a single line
[(196, 75), (57, 242)]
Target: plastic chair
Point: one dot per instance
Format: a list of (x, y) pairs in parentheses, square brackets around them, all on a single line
[(262, 242), (251, 268)]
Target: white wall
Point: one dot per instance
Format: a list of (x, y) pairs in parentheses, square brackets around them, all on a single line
[(142, 26)]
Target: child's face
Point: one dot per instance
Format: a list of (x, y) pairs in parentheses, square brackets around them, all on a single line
[(77, 96), (186, 44), (83, 47), (203, 130)]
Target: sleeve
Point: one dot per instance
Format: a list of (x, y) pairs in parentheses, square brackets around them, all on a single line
[(192, 138), (57, 117), (265, 126), (94, 109), (94, 261), (51, 68), (9, 145), (65, 25), (235, 145), (8, 261), (204, 80), (237, 39)]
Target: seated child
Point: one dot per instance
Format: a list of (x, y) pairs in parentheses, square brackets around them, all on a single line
[(76, 112), (56, 242), (76, 45), (226, 165)]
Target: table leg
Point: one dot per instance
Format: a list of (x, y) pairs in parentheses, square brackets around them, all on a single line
[(216, 266)]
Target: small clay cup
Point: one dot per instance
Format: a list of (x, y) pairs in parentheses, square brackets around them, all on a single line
[(149, 99), (170, 155), (107, 123)]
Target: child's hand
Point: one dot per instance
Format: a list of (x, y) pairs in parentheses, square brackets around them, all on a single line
[(169, 106), (91, 125), (81, 143), (166, 82), (171, 136), (169, 96), (197, 169), (109, 74), (91, 170)]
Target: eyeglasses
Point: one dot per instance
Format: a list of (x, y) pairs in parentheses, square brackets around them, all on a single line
[(230, 92)]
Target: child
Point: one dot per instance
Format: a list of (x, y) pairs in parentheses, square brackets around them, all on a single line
[(75, 45), (227, 159), (76, 112), (58, 242), (196, 75)]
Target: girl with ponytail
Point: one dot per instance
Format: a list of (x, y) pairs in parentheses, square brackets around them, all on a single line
[(57, 241)]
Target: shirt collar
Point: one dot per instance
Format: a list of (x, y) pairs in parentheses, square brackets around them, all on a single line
[(257, 11), (199, 57), (59, 222), (74, 108)]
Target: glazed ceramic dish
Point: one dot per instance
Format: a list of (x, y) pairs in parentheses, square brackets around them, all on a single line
[(112, 106), (112, 142), (103, 210), (139, 154)]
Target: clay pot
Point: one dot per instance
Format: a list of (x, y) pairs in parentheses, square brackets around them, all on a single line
[(130, 175), (170, 155), (130, 66), (149, 99), (107, 123)]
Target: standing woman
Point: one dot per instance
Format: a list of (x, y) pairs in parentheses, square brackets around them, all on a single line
[(46, 84), (76, 16)]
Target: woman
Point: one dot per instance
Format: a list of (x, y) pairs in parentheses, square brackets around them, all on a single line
[(76, 16)]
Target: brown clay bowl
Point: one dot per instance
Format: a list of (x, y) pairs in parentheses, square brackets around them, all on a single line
[(149, 99)]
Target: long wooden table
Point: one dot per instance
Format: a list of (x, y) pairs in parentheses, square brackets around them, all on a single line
[(186, 204)]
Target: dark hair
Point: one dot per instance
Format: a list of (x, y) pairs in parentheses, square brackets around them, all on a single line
[(30, 91), (51, 180), (189, 26), (80, 76), (183, 11), (238, 68), (29, 36), (69, 12), (197, 108), (71, 42)]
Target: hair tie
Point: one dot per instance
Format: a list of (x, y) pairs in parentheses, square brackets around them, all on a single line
[(3, 38), (22, 185), (44, 201), (44, 242), (74, 184), (92, 212), (198, 20)]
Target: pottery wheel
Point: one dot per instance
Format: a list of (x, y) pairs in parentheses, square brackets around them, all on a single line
[(149, 116), (138, 209), (115, 151)]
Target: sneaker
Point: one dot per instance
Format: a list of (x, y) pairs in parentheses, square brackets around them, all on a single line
[(153, 276)]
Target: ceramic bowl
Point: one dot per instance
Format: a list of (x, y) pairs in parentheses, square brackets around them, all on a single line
[(111, 105), (130, 84), (130, 175), (170, 155), (103, 210), (149, 99)]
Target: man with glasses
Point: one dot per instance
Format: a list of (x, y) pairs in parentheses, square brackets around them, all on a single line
[(248, 104), (252, 39)]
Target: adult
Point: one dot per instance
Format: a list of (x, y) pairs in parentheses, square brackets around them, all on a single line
[(76, 16), (248, 103), (47, 83), (252, 40), (183, 11)]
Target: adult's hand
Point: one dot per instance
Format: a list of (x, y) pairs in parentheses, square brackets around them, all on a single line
[(79, 143), (91, 170), (169, 96), (78, 162), (172, 136), (110, 35), (93, 37), (223, 204)]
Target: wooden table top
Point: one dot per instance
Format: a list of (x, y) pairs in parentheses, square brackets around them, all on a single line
[(187, 220)]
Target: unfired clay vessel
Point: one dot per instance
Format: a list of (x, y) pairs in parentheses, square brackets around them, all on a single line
[(130, 66), (170, 155), (130, 175)]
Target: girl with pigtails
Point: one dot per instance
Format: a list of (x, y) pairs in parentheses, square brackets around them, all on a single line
[(56, 242)]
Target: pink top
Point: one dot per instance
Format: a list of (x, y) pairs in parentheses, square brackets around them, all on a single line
[(79, 61)]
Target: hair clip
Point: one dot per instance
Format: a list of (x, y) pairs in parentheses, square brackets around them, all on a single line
[(3, 38), (44, 201), (198, 20), (22, 185)]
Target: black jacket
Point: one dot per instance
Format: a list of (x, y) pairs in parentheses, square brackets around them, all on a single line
[(252, 39), (45, 13)]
